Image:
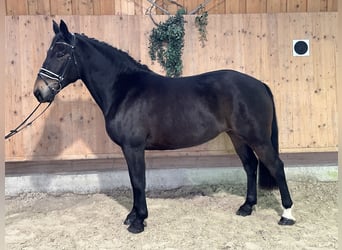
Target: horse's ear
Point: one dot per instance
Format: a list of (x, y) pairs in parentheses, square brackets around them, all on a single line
[(55, 27), (64, 29)]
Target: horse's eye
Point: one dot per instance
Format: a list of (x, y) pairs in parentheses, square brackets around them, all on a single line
[(60, 54)]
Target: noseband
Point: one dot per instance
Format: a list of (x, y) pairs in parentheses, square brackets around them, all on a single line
[(45, 74)]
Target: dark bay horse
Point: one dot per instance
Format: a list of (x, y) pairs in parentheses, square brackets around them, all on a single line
[(147, 111)]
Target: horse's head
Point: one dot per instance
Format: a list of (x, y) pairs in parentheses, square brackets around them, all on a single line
[(60, 65)]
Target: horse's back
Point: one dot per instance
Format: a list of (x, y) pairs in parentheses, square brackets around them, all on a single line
[(223, 93)]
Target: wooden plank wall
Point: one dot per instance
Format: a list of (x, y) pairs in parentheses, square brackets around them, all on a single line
[(138, 7), (258, 44)]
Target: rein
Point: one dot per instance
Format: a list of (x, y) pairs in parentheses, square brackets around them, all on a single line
[(25, 124)]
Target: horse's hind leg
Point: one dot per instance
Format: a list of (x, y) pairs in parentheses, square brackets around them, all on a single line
[(250, 164), (275, 165), (136, 166)]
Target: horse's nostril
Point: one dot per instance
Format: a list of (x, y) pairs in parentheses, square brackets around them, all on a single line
[(38, 95)]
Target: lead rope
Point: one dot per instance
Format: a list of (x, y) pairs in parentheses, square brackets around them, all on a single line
[(23, 125)]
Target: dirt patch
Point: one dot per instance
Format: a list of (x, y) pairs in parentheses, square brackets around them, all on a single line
[(185, 218)]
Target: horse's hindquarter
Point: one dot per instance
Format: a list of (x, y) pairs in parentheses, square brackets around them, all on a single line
[(167, 113)]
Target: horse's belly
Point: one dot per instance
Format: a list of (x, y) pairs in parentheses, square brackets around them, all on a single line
[(181, 136), (171, 145)]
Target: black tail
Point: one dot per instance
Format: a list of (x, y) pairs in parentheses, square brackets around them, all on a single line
[(266, 180)]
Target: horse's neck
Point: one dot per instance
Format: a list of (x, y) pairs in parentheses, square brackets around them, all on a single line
[(99, 75)]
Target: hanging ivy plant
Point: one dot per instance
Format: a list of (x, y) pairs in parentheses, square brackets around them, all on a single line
[(201, 22), (166, 41), (166, 44)]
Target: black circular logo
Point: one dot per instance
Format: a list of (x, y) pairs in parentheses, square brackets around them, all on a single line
[(301, 47)]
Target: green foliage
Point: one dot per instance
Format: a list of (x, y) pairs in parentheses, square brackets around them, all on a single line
[(166, 44), (201, 22)]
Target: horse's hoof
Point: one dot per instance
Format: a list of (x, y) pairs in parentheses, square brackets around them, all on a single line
[(136, 227), (245, 210), (286, 222)]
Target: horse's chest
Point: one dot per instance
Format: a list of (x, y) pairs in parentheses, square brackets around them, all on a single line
[(125, 126)]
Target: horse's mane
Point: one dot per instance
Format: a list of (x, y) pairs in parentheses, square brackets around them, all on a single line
[(127, 62)]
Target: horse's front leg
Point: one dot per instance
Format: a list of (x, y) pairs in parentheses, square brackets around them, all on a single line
[(136, 166)]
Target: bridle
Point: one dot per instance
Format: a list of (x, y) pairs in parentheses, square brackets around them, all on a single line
[(45, 74)]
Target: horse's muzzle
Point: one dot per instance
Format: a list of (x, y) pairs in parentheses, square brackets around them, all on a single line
[(42, 92)]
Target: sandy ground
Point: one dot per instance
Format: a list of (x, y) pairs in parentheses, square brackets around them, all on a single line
[(186, 218)]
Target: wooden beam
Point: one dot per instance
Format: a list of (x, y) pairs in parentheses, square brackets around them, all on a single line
[(256, 6), (61, 7), (16, 7), (82, 7), (296, 6), (313, 5), (332, 5), (38, 7), (224, 161), (235, 7), (276, 6)]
